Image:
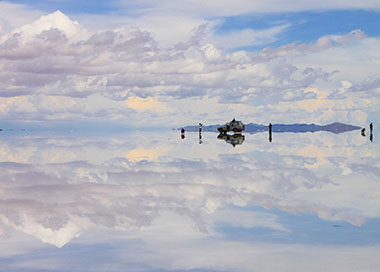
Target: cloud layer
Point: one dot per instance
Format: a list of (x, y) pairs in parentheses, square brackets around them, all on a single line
[(55, 69)]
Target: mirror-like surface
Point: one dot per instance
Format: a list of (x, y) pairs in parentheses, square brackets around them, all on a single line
[(151, 201)]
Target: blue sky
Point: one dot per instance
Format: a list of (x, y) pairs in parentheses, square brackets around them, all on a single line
[(73, 7), (306, 26), (306, 229)]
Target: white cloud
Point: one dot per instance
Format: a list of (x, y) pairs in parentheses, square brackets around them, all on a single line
[(247, 37), (57, 20), (247, 219), (323, 43), (55, 56)]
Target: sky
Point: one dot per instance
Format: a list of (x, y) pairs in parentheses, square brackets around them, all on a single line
[(170, 64), (153, 202)]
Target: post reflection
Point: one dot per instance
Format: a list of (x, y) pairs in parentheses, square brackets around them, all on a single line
[(200, 133)]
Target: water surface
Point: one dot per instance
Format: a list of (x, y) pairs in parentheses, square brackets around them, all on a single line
[(151, 201)]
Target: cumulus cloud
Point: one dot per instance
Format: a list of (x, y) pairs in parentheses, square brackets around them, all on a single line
[(55, 56), (371, 83)]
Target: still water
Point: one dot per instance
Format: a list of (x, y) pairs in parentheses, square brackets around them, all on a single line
[(151, 201)]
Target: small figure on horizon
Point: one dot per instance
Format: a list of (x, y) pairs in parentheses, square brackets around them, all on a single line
[(270, 132), (363, 132), (200, 133), (182, 133), (370, 131)]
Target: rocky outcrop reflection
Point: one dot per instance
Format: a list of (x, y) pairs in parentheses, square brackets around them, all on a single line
[(232, 139)]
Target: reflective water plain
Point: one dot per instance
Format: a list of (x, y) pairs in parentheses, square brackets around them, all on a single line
[(151, 201)]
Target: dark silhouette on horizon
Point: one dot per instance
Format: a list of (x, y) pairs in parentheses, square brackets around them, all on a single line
[(200, 133), (335, 128), (234, 126), (270, 132)]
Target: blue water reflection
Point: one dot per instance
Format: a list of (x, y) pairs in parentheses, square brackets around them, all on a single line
[(306, 229), (151, 201)]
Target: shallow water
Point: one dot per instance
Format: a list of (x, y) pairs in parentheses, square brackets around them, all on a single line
[(151, 201)]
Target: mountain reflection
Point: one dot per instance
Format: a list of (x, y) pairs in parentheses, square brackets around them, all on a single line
[(237, 138), (58, 188)]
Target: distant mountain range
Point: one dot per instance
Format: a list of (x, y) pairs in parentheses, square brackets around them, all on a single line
[(255, 128)]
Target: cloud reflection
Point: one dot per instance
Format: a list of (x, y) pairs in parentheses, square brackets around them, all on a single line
[(56, 188)]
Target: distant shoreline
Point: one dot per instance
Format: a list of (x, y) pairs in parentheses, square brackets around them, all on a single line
[(298, 128)]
